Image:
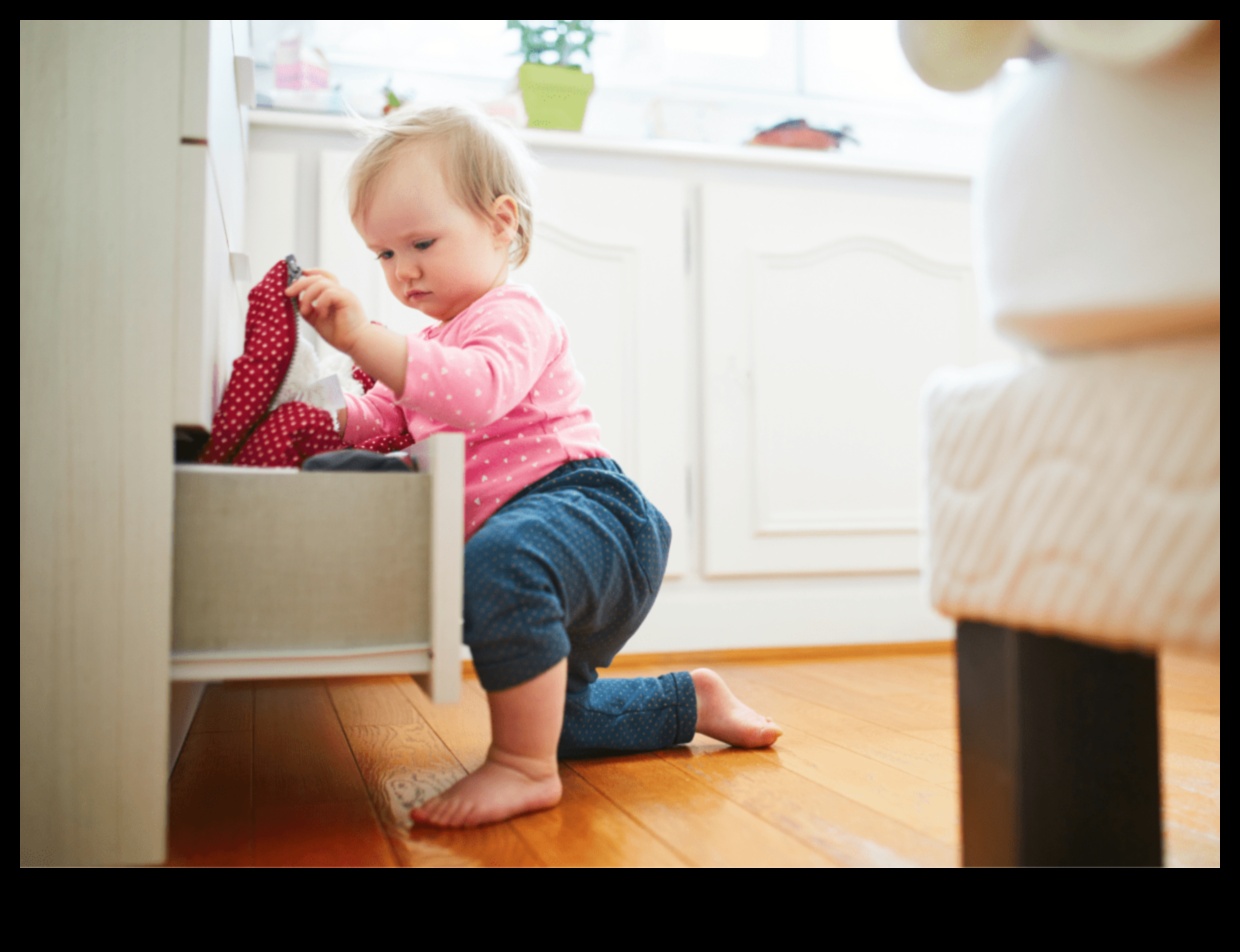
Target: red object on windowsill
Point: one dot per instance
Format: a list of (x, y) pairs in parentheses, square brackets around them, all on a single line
[(799, 134)]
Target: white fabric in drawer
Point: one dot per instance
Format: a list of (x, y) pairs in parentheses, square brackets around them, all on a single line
[(1079, 495)]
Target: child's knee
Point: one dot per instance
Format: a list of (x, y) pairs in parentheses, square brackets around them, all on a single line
[(509, 665)]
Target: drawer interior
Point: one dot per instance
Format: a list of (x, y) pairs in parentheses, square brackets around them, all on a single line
[(269, 560)]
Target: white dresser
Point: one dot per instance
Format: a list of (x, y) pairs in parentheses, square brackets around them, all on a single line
[(133, 299), (132, 194)]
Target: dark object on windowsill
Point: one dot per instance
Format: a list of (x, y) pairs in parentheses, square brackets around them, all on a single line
[(799, 134)]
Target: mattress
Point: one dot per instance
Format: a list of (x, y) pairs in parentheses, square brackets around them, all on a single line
[(1079, 495)]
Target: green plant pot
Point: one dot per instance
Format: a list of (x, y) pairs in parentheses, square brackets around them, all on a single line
[(555, 96)]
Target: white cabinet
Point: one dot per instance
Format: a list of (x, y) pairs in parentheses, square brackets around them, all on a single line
[(755, 327)]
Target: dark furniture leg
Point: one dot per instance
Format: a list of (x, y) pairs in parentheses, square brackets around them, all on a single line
[(1059, 760)]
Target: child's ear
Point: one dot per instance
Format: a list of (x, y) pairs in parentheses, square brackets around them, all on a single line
[(504, 219)]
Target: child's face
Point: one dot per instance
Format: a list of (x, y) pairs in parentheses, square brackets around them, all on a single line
[(438, 256)]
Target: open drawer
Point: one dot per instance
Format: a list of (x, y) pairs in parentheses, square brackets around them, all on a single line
[(281, 573)]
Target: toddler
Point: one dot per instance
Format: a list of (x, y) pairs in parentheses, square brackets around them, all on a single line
[(563, 554)]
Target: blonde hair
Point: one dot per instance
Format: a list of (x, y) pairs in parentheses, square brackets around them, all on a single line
[(481, 161)]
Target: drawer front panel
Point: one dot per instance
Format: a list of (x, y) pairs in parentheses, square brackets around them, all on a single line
[(212, 114)]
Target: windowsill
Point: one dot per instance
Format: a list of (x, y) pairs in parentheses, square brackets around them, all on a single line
[(760, 156)]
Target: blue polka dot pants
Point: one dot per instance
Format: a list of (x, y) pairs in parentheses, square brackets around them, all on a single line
[(569, 568)]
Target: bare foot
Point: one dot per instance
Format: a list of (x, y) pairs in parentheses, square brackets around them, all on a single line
[(721, 714), (503, 787)]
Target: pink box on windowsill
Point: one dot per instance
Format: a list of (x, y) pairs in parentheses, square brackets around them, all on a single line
[(299, 68)]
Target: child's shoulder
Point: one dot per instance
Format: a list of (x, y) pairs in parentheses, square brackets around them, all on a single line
[(512, 302), (511, 295)]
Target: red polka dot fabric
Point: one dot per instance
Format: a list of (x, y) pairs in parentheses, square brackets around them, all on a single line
[(292, 433), (246, 429)]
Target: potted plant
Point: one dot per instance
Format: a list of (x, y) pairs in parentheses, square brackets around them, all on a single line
[(554, 85)]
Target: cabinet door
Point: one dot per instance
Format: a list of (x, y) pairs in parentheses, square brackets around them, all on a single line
[(609, 258), (824, 310)]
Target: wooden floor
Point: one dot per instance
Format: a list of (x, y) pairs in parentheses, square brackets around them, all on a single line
[(323, 773)]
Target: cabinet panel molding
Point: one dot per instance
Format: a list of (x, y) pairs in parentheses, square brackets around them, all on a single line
[(825, 310), (867, 481)]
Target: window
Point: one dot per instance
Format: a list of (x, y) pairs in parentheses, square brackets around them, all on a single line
[(715, 81)]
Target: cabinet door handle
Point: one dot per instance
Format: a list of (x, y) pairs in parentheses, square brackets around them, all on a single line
[(243, 68)]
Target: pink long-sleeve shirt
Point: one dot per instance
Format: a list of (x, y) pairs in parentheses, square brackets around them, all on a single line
[(500, 372)]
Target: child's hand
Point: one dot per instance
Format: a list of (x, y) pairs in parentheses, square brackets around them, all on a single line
[(332, 310)]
